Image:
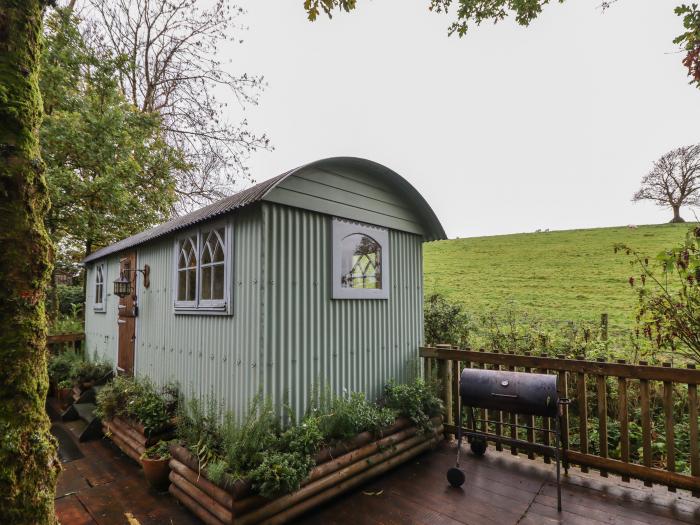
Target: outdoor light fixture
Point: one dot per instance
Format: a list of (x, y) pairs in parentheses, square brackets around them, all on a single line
[(122, 286)]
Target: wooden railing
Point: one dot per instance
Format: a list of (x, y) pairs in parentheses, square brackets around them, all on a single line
[(623, 394), (62, 342)]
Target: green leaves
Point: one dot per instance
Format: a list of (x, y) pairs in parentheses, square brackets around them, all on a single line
[(107, 166), (415, 400), (669, 297), (689, 40)]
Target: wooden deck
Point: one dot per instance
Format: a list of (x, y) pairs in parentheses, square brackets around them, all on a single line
[(503, 489), (104, 487)]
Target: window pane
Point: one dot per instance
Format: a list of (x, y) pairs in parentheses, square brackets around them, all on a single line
[(361, 258), (181, 285), (191, 284), (218, 253), (206, 283), (188, 253), (218, 292), (98, 294)]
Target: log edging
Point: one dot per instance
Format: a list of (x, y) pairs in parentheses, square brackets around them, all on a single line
[(129, 436), (216, 504)]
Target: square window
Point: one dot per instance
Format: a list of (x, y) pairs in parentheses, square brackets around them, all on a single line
[(360, 261)]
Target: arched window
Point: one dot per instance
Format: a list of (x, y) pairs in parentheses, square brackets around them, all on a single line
[(100, 275), (360, 261), (203, 269), (187, 269), (213, 265)]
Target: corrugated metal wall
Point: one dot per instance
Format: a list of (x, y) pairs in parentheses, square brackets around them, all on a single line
[(101, 327), (204, 353), (353, 345), (286, 334)]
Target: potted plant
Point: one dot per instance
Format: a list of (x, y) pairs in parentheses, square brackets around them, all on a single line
[(64, 392), (155, 465)]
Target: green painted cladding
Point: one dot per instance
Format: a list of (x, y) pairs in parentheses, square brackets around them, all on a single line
[(101, 327), (286, 335), (204, 353), (349, 193), (311, 339)]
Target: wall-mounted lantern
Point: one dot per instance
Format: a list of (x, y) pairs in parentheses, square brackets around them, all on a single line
[(122, 286)]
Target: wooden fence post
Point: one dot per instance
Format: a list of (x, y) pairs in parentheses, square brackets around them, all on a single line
[(670, 437), (623, 417), (604, 327), (445, 380), (693, 413), (602, 395), (646, 422), (582, 412)]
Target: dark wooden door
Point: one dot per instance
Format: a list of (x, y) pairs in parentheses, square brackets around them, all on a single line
[(127, 317)]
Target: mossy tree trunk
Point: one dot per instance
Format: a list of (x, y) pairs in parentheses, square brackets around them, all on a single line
[(28, 464)]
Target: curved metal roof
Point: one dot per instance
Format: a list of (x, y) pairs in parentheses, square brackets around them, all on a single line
[(257, 193)]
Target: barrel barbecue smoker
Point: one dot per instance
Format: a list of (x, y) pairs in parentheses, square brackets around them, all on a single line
[(514, 392)]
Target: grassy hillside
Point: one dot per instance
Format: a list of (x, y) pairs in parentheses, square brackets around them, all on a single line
[(558, 276)]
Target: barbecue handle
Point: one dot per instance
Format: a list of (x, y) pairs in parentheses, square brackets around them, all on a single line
[(512, 396)]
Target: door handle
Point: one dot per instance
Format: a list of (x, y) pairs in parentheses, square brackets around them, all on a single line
[(121, 321)]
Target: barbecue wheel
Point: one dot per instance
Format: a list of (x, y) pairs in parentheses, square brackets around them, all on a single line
[(478, 446), (455, 477)]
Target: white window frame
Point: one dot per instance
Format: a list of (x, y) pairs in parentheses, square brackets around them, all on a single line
[(102, 306), (205, 306), (340, 230)]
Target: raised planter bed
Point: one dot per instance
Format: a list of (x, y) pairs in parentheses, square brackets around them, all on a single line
[(130, 436), (337, 470)]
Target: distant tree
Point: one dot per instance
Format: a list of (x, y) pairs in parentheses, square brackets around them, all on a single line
[(674, 181), (475, 12), (28, 462), (172, 68)]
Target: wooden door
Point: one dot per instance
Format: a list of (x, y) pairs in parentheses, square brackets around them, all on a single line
[(127, 317)]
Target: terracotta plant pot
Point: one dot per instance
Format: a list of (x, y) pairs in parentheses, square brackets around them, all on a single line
[(64, 396), (156, 472)]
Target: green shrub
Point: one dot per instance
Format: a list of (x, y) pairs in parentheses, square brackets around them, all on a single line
[(350, 415), (69, 322), (216, 471), (198, 428), (136, 399), (160, 450), (245, 445), (149, 409), (276, 461), (446, 322), (61, 365), (415, 400), (280, 473), (84, 371), (305, 438), (69, 297), (112, 398)]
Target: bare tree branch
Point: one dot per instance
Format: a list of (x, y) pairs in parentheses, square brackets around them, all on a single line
[(169, 66)]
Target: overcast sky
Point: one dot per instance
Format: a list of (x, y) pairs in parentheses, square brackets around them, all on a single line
[(509, 129)]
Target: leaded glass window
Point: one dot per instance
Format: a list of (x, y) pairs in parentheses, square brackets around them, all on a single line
[(202, 269), (361, 262), (213, 265), (187, 269)]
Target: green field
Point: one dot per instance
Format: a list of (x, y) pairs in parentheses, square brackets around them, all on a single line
[(556, 276)]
